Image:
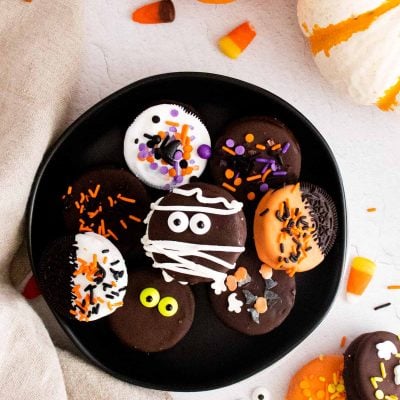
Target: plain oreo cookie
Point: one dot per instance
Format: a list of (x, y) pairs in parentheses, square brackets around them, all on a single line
[(259, 303), (371, 366), (156, 314)]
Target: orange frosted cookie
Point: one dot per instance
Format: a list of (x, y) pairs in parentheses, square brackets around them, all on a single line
[(320, 379), (295, 227)]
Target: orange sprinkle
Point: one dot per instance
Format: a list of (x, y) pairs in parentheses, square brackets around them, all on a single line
[(171, 123), (276, 147), (161, 134), (251, 196), (231, 283), (186, 155), (265, 174), (105, 259), (185, 129), (92, 214), (229, 187), (133, 218), (241, 274), (95, 193), (111, 201), (150, 159), (77, 205), (195, 168), (229, 174), (103, 227), (109, 305), (172, 172), (118, 304), (112, 234), (69, 190), (261, 305), (114, 284), (187, 148), (73, 312), (122, 222), (393, 287), (154, 13), (372, 209), (249, 138), (81, 209), (82, 199), (253, 178), (260, 147), (126, 199), (343, 341), (228, 150), (237, 181)]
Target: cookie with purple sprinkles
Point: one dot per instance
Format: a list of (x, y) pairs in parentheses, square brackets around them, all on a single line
[(254, 154)]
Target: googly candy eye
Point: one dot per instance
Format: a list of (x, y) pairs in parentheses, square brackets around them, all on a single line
[(149, 297), (168, 306), (200, 224), (260, 393), (178, 222)]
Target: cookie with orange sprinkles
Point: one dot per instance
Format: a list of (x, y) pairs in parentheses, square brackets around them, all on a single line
[(257, 300), (253, 155), (109, 202), (320, 379), (295, 227), (83, 277)]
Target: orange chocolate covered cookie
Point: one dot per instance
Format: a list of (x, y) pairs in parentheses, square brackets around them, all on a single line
[(320, 379), (295, 227)]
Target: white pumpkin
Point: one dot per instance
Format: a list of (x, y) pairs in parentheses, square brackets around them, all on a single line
[(356, 45)]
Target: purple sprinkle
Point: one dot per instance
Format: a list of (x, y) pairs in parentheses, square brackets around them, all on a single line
[(192, 138), (178, 155), (274, 167), (191, 127), (178, 178), (279, 173), (174, 112), (230, 142), (192, 161), (285, 148), (153, 165), (262, 160), (204, 151), (265, 169), (264, 187), (172, 129), (167, 187), (164, 170), (237, 175), (142, 146), (240, 150), (143, 154)]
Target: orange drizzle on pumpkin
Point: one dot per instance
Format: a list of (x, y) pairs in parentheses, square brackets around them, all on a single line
[(323, 39), (389, 100)]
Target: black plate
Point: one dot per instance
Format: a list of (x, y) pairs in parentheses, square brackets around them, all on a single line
[(210, 355)]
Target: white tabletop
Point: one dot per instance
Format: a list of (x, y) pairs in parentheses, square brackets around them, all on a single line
[(364, 140)]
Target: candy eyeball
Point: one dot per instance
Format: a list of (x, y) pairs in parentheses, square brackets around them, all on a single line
[(200, 224), (168, 306), (178, 222), (149, 297), (260, 393)]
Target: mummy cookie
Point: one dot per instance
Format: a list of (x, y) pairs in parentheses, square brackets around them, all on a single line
[(295, 227), (372, 368), (195, 234), (83, 277), (156, 314), (253, 155), (166, 146), (257, 300), (110, 202)]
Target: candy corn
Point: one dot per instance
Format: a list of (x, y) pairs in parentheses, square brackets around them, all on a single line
[(361, 272), (155, 13), (233, 44)]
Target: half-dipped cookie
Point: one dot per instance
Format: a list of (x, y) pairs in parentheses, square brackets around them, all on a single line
[(109, 202), (166, 146), (156, 314), (257, 300), (195, 234), (295, 227), (253, 155), (83, 276)]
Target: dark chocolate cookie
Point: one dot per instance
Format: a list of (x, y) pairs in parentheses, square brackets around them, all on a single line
[(257, 300), (156, 314), (253, 155), (195, 234), (371, 367), (110, 202)]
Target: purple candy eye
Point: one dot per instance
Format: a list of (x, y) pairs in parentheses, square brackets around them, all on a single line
[(174, 113), (204, 151), (239, 150), (230, 142)]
